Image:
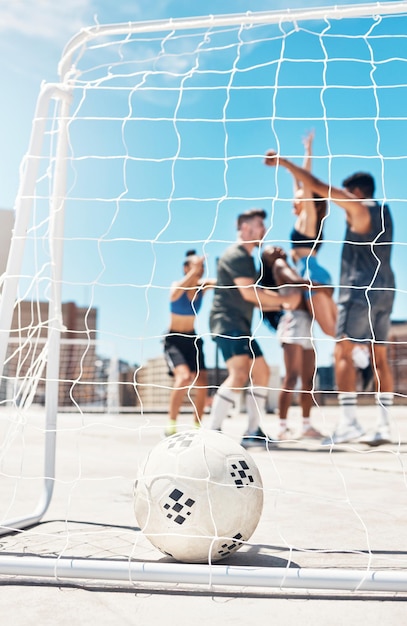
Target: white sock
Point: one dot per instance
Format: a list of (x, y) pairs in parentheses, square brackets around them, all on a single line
[(306, 423), (224, 401), (282, 425), (347, 402), (256, 407), (384, 401)]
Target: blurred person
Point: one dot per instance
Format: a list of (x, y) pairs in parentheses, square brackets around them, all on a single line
[(306, 239), (366, 295), (237, 292), (294, 330), (183, 348)]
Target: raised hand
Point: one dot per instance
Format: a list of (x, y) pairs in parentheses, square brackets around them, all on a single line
[(271, 159), (308, 141)]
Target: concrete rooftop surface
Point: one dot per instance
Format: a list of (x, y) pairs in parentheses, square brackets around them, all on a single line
[(330, 546)]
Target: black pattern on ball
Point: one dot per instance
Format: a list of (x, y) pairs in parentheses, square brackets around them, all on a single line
[(241, 474), (228, 548), (178, 506)]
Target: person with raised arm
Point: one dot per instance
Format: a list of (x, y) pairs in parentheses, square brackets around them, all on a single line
[(183, 348), (306, 240), (366, 294)]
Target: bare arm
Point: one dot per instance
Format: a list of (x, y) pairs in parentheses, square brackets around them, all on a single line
[(190, 280), (307, 162), (208, 283), (357, 213), (284, 274), (308, 141), (307, 219), (267, 299)]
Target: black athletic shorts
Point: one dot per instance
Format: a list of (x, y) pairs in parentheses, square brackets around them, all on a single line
[(184, 349)]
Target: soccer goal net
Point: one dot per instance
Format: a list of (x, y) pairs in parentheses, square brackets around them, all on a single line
[(150, 144)]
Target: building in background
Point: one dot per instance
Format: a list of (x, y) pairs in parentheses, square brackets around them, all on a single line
[(98, 382), (24, 372), (6, 228), (86, 378), (154, 385), (95, 381)]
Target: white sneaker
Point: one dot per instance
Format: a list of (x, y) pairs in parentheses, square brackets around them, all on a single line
[(380, 437), (345, 434)]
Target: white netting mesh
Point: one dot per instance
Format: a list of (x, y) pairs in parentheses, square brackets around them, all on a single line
[(166, 133)]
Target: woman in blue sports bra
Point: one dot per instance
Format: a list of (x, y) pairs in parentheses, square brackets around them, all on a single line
[(183, 349), (306, 239)]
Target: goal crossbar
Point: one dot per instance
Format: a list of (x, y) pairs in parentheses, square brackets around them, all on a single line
[(238, 19)]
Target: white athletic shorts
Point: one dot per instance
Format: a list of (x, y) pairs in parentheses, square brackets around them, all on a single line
[(295, 327)]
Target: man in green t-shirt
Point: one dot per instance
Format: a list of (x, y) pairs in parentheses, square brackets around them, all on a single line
[(237, 292)]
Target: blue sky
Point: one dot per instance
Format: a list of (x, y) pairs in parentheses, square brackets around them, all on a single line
[(122, 256)]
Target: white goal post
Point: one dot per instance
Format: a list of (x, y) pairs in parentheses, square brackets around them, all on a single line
[(116, 140)]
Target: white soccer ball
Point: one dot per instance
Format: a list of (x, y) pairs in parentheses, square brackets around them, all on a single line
[(199, 496)]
